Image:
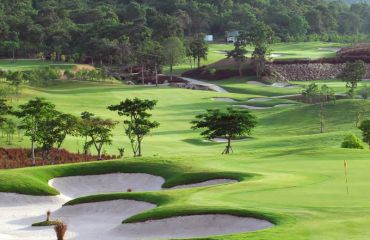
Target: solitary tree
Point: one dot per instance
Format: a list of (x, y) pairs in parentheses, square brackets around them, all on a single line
[(352, 74), (138, 125), (32, 114), (239, 52), (365, 128), (229, 124), (174, 52), (98, 130)]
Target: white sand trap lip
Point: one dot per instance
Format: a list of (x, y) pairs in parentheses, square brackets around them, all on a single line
[(190, 227), (78, 186), (206, 183), (259, 108), (259, 100), (251, 107), (222, 99), (94, 220)]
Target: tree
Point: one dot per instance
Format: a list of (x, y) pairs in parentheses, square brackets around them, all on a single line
[(150, 57), (229, 124), (4, 110), (326, 94), (174, 52), (9, 128), (260, 36), (365, 128), (100, 132), (313, 94), (32, 114), (53, 130), (239, 51), (15, 79), (138, 125), (84, 129), (198, 48), (352, 74)]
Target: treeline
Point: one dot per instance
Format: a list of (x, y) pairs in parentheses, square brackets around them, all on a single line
[(92, 30)]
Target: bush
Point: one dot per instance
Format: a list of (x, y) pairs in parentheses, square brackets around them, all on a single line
[(351, 141)]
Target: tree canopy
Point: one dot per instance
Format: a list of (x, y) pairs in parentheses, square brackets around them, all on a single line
[(84, 30), (225, 124)]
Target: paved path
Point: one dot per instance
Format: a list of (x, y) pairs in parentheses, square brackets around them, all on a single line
[(211, 86)]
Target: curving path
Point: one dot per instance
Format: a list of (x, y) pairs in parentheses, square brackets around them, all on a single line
[(102, 221), (211, 86)]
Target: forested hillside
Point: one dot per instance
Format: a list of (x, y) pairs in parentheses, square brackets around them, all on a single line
[(81, 29)]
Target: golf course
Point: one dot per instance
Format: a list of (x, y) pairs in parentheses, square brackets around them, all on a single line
[(286, 180)]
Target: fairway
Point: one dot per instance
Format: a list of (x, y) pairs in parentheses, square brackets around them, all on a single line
[(301, 176)]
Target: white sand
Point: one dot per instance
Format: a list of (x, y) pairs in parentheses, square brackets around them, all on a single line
[(190, 227), (78, 186), (258, 108), (102, 220), (251, 107)]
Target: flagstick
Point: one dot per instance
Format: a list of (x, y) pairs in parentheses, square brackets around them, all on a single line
[(345, 173)]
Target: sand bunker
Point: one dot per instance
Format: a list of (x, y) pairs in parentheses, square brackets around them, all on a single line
[(190, 227), (102, 220), (259, 100), (78, 186), (259, 108), (277, 85)]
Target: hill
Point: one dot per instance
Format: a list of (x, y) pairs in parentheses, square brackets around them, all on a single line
[(97, 31)]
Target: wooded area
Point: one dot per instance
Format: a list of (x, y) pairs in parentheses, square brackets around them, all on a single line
[(106, 31)]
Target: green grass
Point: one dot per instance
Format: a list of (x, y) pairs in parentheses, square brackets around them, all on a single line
[(307, 50), (25, 64), (45, 224), (290, 173)]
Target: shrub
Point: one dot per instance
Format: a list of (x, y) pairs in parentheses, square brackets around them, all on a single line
[(351, 141)]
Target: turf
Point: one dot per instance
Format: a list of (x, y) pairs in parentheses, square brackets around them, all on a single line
[(307, 50), (289, 173), (29, 64)]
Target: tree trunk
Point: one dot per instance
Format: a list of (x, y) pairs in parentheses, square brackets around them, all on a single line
[(156, 76), (198, 62), (228, 148), (142, 75), (240, 70), (99, 153), (171, 73), (33, 152), (322, 124), (139, 148)]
